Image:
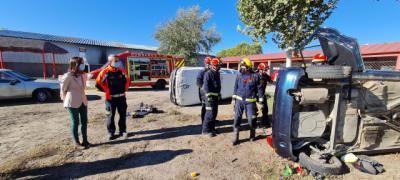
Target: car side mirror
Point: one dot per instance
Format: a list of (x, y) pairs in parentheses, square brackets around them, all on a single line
[(14, 82)]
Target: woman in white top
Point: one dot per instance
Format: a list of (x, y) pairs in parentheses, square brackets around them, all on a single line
[(75, 101)]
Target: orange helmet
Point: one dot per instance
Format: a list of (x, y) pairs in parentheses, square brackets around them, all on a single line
[(319, 58), (262, 67), (207, 60), (216, 62)]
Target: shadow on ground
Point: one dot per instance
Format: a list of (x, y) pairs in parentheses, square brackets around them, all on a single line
[(223, 126), (82, 169)]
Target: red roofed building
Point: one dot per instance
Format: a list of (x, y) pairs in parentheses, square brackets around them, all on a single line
[(384, 56)]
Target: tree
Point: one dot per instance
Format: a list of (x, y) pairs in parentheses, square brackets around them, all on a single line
[(241, 49), (186, 35), (291, 22)]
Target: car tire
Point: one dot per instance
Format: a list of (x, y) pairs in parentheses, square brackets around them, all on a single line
[(160, 85), (333, 165), (328, 72), (42, 95)]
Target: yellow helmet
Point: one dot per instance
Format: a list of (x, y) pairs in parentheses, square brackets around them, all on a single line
[(246, 62)]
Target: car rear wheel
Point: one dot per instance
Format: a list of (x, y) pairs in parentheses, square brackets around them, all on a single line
[(319, 164), (160, 85), (41, 95)]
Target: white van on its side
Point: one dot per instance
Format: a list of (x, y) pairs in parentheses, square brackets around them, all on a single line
[(184, 91)]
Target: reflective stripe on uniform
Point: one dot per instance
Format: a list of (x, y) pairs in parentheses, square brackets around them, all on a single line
[(247, 99), (209, 108), (239, 98), (118, 95), (260, 99), (212, 94), (251, 99), (104, 78)]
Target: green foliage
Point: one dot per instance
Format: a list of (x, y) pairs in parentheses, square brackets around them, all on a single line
[(241, 49), (291, 22), (186, 35)]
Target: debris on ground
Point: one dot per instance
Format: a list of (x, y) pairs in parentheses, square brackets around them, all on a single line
[(349, 158), (143, 110), (294, 168), (269, 141), (363, 163), (194, 174), (367, 165), (287, 171)]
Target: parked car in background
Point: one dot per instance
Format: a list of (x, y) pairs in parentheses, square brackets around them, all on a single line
[(17, 85), (184, 91)]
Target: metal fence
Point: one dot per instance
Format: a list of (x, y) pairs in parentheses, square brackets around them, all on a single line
[(378, 63), (381, 63)]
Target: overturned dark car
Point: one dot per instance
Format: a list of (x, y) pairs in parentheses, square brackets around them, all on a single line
[(323, 111)]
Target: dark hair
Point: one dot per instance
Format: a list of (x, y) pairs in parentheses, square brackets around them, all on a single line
[(74, 63)]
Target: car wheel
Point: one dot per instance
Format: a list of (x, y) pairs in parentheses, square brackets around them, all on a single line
[(42, 95), (315, 163), (328, 72), (160, 85)]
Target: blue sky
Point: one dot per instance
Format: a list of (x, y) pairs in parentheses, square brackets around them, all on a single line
[(135, 21)]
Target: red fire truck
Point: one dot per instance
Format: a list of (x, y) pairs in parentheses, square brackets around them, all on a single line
[(147, 69)]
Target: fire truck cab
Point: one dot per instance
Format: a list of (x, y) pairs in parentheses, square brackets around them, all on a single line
[(146, 69)]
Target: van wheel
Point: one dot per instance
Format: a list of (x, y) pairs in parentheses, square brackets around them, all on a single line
[(315, 162), (41, 95), (160, 85)]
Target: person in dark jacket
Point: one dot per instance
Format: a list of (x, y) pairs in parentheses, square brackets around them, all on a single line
[(262, 101), (246, 90), (199, 82), (212, 91), (114, 81)]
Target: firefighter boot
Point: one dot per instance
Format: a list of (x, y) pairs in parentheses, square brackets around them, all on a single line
[(235, 139), (252, 134)]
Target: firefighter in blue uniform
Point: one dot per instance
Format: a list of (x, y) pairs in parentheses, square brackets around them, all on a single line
[(212, 90), (262, 69), (199, 82), (246, 90)]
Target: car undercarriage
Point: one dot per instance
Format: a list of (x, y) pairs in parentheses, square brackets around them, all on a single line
[(335, 108)]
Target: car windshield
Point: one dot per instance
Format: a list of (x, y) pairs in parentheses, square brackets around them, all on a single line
[(21, 76)]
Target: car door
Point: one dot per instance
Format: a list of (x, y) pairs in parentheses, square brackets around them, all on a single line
[(10, 86), (227, 83)]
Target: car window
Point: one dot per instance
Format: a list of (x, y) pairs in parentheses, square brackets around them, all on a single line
[(21, 76), (224, 71), (5, 78)]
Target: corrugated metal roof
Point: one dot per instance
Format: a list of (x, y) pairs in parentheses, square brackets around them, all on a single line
[(72, 40), (368, 49)]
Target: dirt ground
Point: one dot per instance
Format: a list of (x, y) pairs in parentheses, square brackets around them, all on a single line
[(36, 143)]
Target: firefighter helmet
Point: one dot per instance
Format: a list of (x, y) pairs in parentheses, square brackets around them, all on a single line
[(207, 60), (246, 62), (216, 62), (319, 58), (262, 67)]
